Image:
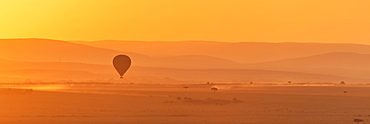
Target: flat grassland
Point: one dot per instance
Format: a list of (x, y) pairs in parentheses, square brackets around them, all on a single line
[(174, 104)]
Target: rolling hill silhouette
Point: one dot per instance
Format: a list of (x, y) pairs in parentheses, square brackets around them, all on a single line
[(241, 52), (197, 62), (336, 63), (45, 50), (12, 71), (208, 60), (335, 60), (320, 58)]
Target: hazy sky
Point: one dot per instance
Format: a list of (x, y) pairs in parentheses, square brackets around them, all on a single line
[(174, 20)]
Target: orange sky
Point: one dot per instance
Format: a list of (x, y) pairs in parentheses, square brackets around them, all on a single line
[(174, 20)]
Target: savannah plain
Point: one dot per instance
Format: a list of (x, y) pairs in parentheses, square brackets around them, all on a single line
[(172, 82), (172, 103)]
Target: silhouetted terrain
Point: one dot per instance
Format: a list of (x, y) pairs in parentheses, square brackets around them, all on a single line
[(336, 63), (43, 50), (198, 61), (14, 71), (336, 60), (242, 52)]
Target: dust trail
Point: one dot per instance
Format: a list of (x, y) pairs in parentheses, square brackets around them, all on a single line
[(40, 88)]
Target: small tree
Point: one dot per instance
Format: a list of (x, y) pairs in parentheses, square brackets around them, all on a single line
[(345, 92), (214, 89), (187, 98), (289, 82), (185, 87), (178, 98), (342, 82), (358, 120)]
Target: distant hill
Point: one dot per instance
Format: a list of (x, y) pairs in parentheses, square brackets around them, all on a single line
[(196, 62), (338, 63), (44, 50), (245, 76), (335, 60), (59, 71), (187, 55), (242, 52), (208, 60)]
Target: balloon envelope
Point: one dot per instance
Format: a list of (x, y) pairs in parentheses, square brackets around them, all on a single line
[(121, 63)]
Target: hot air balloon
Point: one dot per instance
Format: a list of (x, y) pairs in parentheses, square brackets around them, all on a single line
[(121, 63)]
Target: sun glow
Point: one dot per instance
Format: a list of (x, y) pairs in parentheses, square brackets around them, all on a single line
[(150, 20)]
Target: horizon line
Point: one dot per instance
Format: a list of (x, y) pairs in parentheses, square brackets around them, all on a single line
[(277, 42)]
